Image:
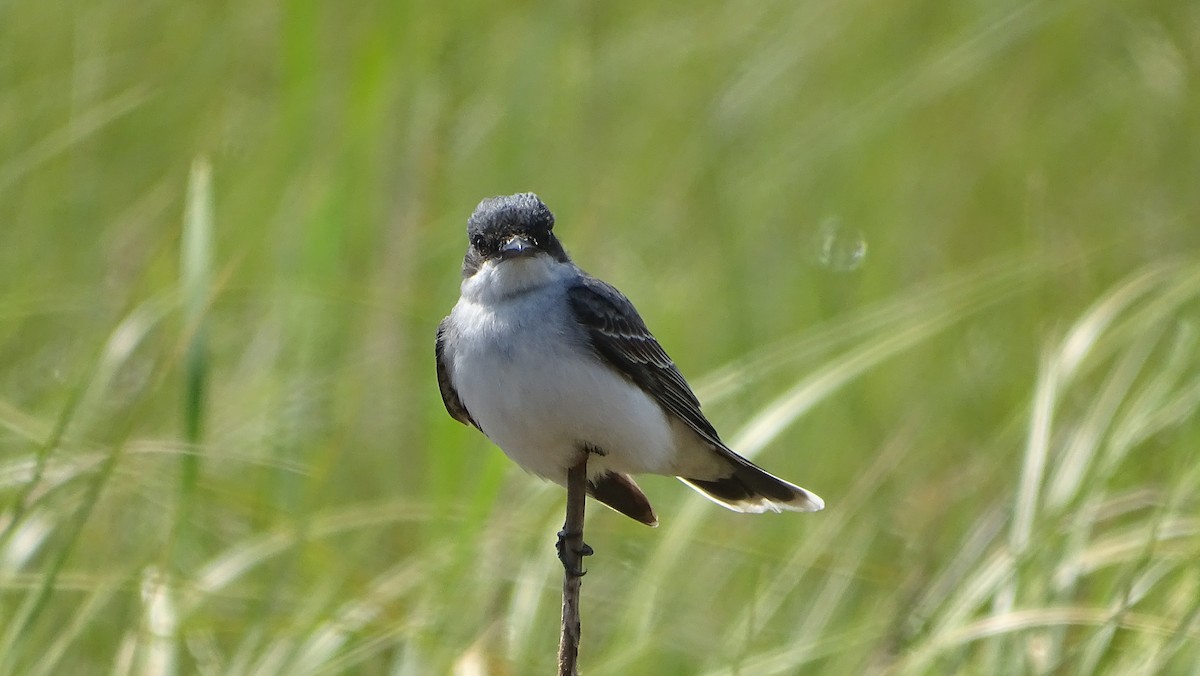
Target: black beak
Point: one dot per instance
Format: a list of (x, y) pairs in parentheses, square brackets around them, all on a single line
[(517, 246)]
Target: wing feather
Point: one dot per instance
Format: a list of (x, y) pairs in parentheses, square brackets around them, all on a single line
[(454, 405), (620, 337)]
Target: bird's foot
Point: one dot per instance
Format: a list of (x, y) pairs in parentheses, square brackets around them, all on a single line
[(575, 567)]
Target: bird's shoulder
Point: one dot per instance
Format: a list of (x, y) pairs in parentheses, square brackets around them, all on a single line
[(602, 307)]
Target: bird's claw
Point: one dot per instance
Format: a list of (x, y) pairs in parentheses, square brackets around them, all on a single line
[(584, 550)]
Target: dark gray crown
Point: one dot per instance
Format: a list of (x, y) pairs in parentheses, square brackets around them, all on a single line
[(522, 212)]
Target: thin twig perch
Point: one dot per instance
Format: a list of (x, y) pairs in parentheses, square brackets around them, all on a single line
[(571, 551)]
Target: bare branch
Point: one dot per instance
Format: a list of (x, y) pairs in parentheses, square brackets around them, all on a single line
[(571, 551)]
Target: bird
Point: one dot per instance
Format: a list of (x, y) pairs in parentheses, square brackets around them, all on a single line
[(549, 363)]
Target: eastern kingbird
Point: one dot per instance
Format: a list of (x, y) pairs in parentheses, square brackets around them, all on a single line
[(549, 362)]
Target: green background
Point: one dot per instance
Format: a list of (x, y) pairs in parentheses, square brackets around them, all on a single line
[(935, 261)]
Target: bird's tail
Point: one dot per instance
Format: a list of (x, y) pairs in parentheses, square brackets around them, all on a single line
[(751, 489)]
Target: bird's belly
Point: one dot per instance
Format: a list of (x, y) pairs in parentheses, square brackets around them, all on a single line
[(543, 407)]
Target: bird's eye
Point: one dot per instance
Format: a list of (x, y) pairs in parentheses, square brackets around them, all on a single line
[(479, 242)]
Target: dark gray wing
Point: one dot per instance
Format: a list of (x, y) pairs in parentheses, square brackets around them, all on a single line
[(620, 338), (450, 398)]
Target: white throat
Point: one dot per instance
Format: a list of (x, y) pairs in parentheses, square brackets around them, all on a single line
[(498, 281)]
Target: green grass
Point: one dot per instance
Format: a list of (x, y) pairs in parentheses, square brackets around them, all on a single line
[(228, 232)]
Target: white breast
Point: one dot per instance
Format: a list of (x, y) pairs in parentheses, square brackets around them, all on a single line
[(522, 369)]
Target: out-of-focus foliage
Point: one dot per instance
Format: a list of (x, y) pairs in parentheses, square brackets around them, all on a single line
[(935, 261)]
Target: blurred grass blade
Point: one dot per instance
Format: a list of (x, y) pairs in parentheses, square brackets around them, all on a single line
[(81, 410), (89, 614), (157, 645), (80, 128), (920, 661), (196, 261), (1056, 373), (196, 281)]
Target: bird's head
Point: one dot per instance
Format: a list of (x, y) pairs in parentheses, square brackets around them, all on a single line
[(509, 229)]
